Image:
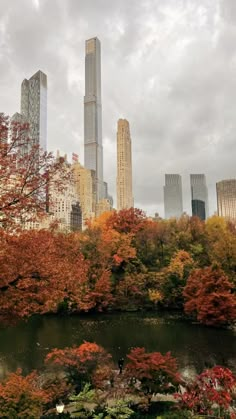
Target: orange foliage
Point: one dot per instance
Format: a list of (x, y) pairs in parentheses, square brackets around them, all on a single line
[(21, 396), (41, 269), (127, 220), (80, 363), (208, 296), (24, 176), (155, 371)]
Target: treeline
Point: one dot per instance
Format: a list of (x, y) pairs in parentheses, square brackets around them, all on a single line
[(123, 260), (87, 380)]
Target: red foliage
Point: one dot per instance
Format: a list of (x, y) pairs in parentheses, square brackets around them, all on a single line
[(208, 296), (24, 175), (101, 295), (127, 220), (80, 362), (213, 386), (39, 269), (156, 372), (21, 397), (43, 270)]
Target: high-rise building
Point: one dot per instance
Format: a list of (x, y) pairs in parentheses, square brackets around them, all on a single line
[(199, 196), (173, 200), (124, 166), (84, 181), (34, 107), (93, 151), (226, 198), (64, 205)]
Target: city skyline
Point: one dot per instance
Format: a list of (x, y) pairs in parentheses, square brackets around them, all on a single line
[(182, 120)]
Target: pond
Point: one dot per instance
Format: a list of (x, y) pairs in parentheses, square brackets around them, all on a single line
[(26, 344)]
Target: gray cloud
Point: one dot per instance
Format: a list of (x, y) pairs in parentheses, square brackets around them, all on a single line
[(168, 66)]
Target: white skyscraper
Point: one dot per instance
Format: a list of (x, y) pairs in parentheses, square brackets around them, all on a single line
[(93, 151), (173, 200)]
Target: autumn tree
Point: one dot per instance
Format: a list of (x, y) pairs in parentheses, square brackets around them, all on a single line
[(40, 270), (127, 220), (221, 240), (174, 279), (21, 397), (82, 364), (211, 392), (209, 298), (156, 373), (25, 173)]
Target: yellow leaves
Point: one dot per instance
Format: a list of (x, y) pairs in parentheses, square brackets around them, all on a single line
[(179, 262), (155, 296), (215, 227)]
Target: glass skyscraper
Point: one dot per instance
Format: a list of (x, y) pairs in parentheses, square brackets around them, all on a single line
[(226, 198), (173, 200), (199, 196), (34, 107), (93, 151)]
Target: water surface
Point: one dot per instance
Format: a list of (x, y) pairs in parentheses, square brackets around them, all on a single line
[(26, 345)]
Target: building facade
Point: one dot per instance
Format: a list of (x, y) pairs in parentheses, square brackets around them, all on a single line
[(93, 150), (34, 107), (173, 198), (102, 206), (226, 198), (17, 122), (64, 205), (85, 189), (124, 166), (199, 196)]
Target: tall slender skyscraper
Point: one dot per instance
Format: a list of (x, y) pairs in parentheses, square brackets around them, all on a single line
[(124, 166), (226, 198), (199, 196), (173, 200), (34, 107), (93, 152)]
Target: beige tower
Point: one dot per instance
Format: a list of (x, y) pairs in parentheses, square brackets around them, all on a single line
[(124, 166), (226, 198), (85, 187)]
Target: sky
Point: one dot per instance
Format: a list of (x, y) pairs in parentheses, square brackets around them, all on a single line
[(168, 67)]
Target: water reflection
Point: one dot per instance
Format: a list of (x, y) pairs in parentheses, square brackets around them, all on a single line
[(195, 347)]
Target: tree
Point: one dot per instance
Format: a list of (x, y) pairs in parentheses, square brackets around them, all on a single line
[(33, 280), (24, 176), (174, 279), (210, 391), (208, 295), (21, 397), (80, 363), (127, 220), (157, 373)]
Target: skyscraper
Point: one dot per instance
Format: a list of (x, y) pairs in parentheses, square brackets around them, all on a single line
[(34, 107), (93, 152), (226, 198), (199, 196), (124, 166), (173, 200)]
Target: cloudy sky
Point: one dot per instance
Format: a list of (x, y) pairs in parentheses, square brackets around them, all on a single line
[(168, 66)]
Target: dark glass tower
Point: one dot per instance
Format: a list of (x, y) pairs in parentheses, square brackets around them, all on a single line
[(199, 196)]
